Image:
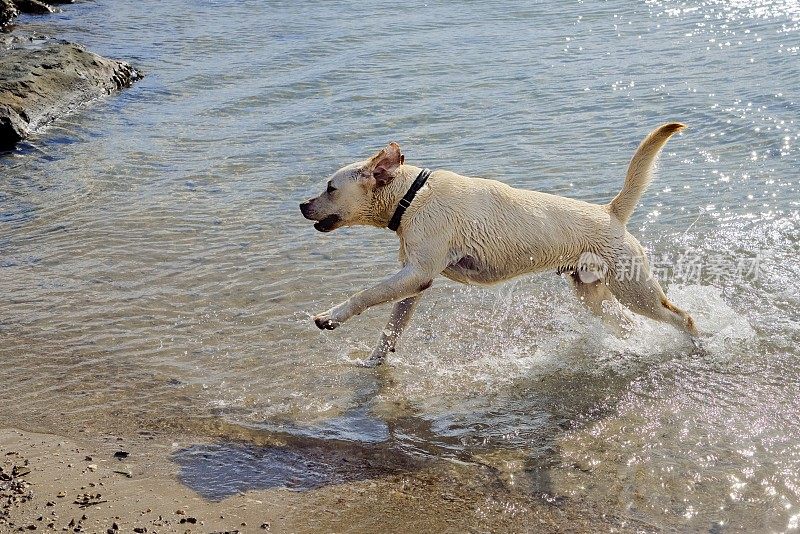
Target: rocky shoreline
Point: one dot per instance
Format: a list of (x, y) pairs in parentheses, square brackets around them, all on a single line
[(41, 80)]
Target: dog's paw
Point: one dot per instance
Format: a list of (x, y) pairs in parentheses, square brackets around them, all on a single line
[(324, 321)]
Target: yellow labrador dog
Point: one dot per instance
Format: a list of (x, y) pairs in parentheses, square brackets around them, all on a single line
[(478, 231)]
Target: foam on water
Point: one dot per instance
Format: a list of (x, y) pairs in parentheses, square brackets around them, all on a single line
[(503, 350)]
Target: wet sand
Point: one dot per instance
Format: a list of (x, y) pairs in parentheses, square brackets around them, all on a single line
[(50, 483)]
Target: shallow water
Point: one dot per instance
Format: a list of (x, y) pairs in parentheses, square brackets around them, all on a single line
[(156, 272)]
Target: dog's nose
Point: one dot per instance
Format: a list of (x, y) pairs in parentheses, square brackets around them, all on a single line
[(304, 206)]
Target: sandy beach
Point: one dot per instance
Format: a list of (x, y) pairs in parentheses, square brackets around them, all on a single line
[(54, 484)]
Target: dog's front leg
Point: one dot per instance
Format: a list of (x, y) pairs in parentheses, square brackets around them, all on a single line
[(409, 281), (398, 320)]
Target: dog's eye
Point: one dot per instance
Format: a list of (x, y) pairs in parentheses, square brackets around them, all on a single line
[(331, 189)]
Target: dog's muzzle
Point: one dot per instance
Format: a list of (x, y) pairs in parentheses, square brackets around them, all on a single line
[(326, 224)]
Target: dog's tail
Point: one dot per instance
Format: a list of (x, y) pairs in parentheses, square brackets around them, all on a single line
[(640, 171)]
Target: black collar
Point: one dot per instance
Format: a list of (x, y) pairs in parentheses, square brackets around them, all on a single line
[(405, 202)]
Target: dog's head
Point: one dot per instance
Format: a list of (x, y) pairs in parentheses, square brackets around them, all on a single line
[(349, 196)]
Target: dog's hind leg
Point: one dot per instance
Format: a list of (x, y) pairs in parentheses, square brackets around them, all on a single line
[(398, 320), (643, 295), (597, 297)]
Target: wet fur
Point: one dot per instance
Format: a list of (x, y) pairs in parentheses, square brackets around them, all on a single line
[(479, 231)]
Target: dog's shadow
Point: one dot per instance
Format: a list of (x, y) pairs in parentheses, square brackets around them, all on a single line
[(359, 445)]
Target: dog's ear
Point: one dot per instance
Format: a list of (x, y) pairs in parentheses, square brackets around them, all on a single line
[(383, 164)]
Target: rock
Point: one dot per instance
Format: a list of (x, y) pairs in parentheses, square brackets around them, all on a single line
[(120, 455), (8, 12), (18, 472), (37, 86), (35, 7), (89, 499)]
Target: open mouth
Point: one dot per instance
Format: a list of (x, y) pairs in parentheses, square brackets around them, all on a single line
[(328, 223)]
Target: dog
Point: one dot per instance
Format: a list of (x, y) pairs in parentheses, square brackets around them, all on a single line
[(479, 231)]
